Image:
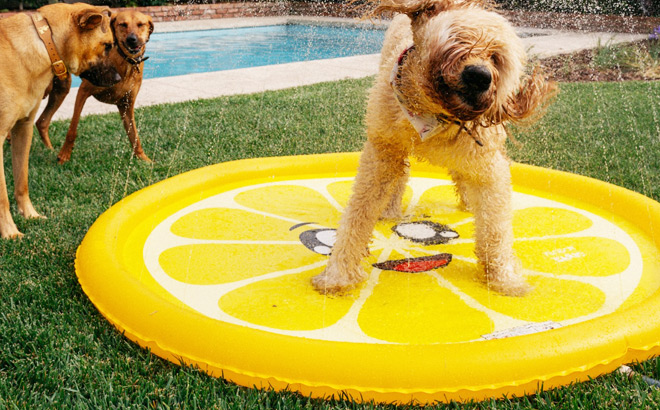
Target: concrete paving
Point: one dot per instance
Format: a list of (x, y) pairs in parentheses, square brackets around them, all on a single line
[(540, 42)]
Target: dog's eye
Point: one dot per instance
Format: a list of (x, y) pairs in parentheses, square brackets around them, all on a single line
[(431, 10), (426, 232), (108, 46), (140, 25), (123, 25), (496, 59), (319, 240)]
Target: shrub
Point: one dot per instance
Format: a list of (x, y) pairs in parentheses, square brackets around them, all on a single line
[(622, 7)]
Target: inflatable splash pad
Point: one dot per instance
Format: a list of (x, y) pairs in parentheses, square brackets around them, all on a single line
[(213, 268)]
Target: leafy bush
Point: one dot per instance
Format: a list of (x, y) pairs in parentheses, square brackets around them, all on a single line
[(23, 4), (625, 7), (34, 4), (622, 7)]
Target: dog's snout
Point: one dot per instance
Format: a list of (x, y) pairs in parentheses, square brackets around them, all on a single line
[(101, 75), (477, 78), (132, 40)]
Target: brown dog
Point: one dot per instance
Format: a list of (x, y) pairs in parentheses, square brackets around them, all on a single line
[(81, 37), (132, 30), (451, 76)]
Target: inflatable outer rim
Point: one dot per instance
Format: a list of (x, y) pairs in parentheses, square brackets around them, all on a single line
[(383, 373)]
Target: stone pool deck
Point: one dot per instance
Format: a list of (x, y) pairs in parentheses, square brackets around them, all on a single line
[(540, 42)]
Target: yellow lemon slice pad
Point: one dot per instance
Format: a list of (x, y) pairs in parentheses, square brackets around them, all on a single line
[(213, 267)]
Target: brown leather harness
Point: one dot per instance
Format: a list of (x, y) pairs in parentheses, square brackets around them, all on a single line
[(44, 31)]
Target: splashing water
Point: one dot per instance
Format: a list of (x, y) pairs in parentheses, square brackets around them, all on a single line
[(606, 130)]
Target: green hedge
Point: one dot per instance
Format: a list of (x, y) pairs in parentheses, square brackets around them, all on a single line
[(33, 4), (624, 7)]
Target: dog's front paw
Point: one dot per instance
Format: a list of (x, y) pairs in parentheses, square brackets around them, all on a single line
[(8, 230), (43, 133), (64, 156), (333, 281), (28, 211), (507, 280), (143, 156), (515, 286)]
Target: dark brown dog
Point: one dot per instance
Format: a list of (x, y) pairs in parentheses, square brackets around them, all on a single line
[(132, 30), (82, 37)]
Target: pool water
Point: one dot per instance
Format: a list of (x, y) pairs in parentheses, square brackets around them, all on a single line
[(188, 52)]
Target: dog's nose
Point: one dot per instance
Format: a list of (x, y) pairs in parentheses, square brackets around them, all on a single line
[(132, 40), (477, 78)]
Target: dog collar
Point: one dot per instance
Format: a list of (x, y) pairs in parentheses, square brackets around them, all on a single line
[(133, 61), (426, 125), (44, 31)]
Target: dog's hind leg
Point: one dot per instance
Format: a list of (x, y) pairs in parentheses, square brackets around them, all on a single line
[(489, 194), (379, 173), (460, 187), (65, 152), (393, 209), (60, 89)]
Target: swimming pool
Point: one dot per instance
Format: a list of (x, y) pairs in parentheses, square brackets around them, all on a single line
[(188, 52)]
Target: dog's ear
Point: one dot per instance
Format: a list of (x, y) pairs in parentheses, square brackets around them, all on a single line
[(89, 19), (531, 98), (151, 25), (113, 20), (413, 8)]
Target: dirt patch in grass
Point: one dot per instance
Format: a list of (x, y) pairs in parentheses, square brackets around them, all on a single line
[(634, 61), (625, 62)]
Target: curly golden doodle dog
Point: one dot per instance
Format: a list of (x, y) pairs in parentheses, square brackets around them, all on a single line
[(78, 37), (451, 75), (132, 30)]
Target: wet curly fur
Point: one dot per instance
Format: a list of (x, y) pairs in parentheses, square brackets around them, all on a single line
[(468, 65)]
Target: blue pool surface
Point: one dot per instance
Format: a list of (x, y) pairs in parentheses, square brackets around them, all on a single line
[(188, 52)]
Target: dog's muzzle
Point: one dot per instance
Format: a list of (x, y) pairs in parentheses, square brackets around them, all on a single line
[(476, 81), (477, 78), (132, 44), (102, 75)]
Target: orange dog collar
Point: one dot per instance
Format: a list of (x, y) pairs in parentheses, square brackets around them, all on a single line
[(44, 31)]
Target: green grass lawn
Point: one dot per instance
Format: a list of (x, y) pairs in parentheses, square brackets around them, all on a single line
[(57, 351)]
